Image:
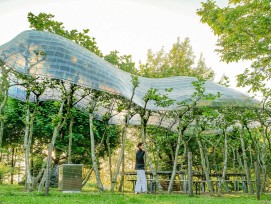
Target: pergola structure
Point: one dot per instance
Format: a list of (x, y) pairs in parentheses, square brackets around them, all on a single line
[(48, 55)]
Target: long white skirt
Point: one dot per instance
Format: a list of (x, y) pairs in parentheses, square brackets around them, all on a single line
[(141, 183)]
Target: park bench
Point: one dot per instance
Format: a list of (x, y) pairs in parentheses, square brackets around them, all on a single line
[(164, 183), (199, 181)]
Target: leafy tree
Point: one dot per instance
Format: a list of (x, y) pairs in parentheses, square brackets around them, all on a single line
[(128, 106), (45, 22), (243, 31), (159, 100), (32, 86), (6, 74), (185, 117), (224, 80), (123, 62), (224, 120), (96, 97), (202, 70), (179, 61), (43, 130), (14, 129)]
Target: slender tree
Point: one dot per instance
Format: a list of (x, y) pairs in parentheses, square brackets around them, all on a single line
[(128, 107), (244, 153), (4, 86), (37, 88), (46, 22), (96, 96), (183, 110), (159, 100)]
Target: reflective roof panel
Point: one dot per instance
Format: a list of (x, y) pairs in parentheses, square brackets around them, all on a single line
[(49, 55)]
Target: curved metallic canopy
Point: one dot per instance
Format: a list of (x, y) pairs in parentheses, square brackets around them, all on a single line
[(45, 54)]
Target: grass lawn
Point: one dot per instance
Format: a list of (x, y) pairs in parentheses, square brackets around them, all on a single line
[(16, 194)]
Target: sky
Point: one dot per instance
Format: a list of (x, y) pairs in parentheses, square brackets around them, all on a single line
[(129, 26)]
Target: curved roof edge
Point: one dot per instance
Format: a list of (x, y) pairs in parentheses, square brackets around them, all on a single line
[(40, 53)]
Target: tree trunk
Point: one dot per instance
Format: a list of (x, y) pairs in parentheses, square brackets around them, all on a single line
[(180, 137), (149, 161), (93, 156), (250, 187), (225, 155), (234, 168), (207, 163), (70, 141), (29, 126), (85, 180), (37, 178), (30, 137), (1, 131), (122, 176), (262, 158), (204, 166), (260, 154), (225, 163), (114, 180), (4, 86), (28, 182), (264, 177), (234, 159), (124, 132), (47, 172), (12, 164), (7, 160), (109, 156), (190, 174), (157, 166), (257, 180), (157, 145)]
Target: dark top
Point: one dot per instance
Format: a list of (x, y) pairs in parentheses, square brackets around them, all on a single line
[(140, 164)]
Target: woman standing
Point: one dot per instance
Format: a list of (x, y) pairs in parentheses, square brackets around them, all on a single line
[(141, 183)]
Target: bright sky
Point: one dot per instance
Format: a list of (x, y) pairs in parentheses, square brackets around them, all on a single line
[(129, 26)]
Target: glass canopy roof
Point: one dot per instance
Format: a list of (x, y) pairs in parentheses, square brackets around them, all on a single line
[(45, 54)]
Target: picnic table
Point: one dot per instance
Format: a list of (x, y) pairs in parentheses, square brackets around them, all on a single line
[(199, 183), (151, 180)]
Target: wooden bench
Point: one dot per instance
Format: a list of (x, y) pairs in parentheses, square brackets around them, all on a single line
[(164, 183)]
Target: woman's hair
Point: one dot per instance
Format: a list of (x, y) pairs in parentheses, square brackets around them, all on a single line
[(139, 144)]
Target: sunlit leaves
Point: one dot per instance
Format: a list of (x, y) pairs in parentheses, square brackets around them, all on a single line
[(46, 22), (243, 30), (178, 61)]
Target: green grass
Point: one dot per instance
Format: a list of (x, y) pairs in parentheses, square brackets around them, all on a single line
[(16, 194)]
